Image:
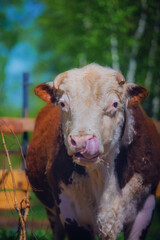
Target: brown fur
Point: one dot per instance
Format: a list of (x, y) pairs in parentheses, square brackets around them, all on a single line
[(41, 153), (137, 94), (44, 92), (146, 156)]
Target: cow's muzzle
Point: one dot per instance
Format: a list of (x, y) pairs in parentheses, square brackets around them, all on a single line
[(85, 148)]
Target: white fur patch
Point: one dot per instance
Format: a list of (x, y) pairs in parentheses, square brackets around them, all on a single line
[(66, 208), (77, 202)]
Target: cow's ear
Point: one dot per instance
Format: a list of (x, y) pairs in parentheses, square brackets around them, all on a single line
[(45, 91), (136, 93)]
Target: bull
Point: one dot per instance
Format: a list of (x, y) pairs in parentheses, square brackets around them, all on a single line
[(94, 158)]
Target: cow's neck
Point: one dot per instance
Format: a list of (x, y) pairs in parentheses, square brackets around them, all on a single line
[(103, 177)]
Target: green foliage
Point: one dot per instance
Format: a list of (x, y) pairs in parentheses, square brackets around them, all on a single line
[(9, 34), (75, 33)]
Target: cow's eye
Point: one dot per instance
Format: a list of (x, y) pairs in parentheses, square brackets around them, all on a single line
[(115, 104), (64, 105)]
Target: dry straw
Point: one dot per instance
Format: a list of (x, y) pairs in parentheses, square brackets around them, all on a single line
[(22, 208)]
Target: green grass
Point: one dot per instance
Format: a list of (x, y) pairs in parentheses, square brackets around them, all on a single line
[(37, 212), (154, 230), (34, 235), (12, 234), (13, 144)]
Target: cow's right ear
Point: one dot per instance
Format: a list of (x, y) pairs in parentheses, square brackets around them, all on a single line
[(45, 91), (136, 93)]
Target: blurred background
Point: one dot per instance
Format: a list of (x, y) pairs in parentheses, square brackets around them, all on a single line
[(46, 37), (43, 38)]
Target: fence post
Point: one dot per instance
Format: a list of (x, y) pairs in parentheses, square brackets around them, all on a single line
[(25, 111)]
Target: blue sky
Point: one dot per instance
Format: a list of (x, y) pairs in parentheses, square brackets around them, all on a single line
[(22, 59), (23, 56)]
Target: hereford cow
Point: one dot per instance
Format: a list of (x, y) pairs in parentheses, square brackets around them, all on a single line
[(94, 158)]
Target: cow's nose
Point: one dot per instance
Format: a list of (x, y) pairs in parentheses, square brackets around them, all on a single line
[(80, 142), (86, 144)]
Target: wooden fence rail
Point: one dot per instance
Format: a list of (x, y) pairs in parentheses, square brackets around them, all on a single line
[(17, 125), (7, 194)]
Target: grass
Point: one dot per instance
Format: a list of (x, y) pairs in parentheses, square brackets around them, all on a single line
[(12, 234), (37, 212)]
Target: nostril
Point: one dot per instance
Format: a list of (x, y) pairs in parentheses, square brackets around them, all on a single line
[(73, 142)]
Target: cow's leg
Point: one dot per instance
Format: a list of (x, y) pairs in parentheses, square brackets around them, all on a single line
[(123, 208), (56, 225), (75, 231), (142, 221)]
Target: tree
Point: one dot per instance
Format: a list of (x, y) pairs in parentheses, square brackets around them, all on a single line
[(121, 34), (9, 33), (18, 38)]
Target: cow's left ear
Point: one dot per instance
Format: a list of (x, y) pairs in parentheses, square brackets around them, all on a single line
[(45, 91), (136, 93)]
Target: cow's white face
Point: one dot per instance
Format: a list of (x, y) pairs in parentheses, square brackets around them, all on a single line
[(93, 100), (92, 111)]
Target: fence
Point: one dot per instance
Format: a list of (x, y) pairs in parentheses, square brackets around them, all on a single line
[(14, 185)]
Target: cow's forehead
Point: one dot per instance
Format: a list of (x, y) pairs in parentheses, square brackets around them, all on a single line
[(90, 81)]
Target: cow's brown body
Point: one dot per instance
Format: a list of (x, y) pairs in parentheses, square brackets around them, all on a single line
[(41, 152), (104, 198), (144, 148)]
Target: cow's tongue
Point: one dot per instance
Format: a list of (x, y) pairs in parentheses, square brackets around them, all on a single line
[(92, 149)]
